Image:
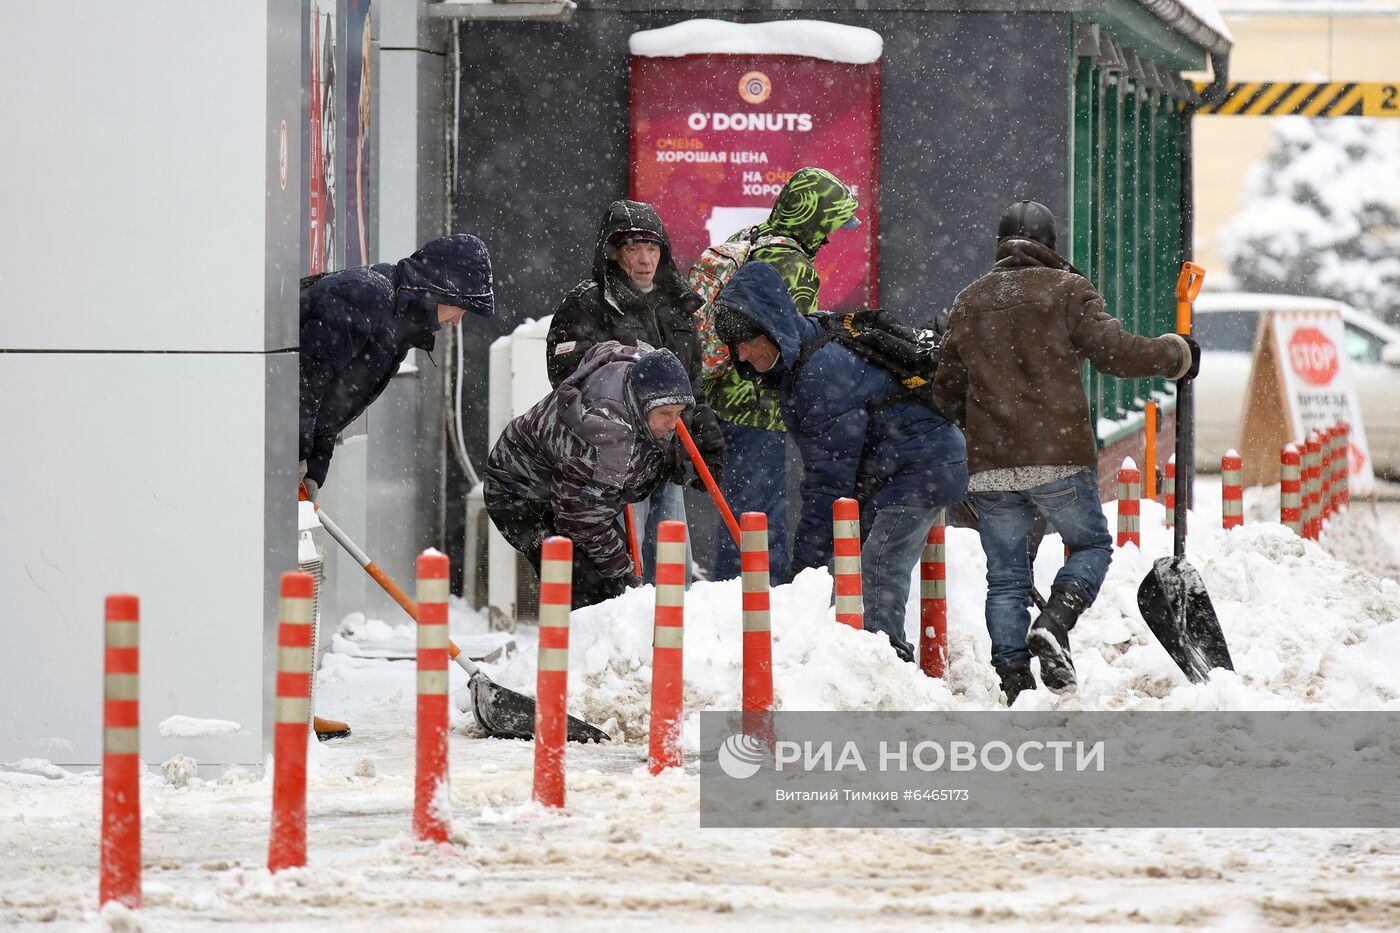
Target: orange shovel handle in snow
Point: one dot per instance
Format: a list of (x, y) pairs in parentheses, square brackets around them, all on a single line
[(371, 568), (689, 444)]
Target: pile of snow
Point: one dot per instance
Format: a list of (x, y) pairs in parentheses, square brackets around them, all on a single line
[(189, 726), (1307, 631), (830, 41)]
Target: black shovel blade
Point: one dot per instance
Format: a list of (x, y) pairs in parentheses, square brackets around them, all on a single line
[(1176, 607), (510, 715)]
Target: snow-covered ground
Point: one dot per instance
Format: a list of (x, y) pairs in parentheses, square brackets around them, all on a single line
[(1310, 626)]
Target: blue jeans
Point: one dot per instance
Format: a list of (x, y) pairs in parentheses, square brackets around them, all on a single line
[(755, 480), (1071, 506), (666, 503), (888, 555)]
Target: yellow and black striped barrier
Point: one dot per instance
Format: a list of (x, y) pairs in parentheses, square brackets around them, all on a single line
[(1305, 99)]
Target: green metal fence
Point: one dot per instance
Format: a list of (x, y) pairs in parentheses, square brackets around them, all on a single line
[(1125, 214)]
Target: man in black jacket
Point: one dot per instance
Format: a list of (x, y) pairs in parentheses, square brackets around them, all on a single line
[(357, 326), (635, 296)]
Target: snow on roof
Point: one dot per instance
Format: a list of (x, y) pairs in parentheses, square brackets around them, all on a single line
[(831, 41), (1209, 14)]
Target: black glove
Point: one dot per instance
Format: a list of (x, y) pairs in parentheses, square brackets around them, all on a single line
[(616, 586), (716, 472), (1195, 348)]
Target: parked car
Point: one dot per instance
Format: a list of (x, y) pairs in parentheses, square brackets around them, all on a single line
[(1226, 324)]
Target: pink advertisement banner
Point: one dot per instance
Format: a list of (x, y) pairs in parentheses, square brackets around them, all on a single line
[(715, 136)]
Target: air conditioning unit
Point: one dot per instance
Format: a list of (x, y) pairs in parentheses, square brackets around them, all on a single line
[(504, 583)]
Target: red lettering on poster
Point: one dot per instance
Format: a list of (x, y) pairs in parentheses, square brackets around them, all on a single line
[(714, 137)]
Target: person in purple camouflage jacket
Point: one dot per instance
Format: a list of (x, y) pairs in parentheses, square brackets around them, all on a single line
[(573, 462)]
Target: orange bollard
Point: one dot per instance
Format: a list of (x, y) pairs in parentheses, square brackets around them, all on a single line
[(1129, 504), (933, 601), (1149, 454), (1290, 508), (1326, 445), (1169, 491), (667, 669), (1231, 490), (552, 683), (1339, 464), (1311, 493), (758, 635), (430, 785), (845, 546), (286, 845), (121, 761), (1345, 428)]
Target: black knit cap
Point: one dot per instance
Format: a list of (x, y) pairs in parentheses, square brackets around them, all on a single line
[(733, 327), (657, 379)]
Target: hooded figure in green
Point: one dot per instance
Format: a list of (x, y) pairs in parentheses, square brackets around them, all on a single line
[(812, 205)]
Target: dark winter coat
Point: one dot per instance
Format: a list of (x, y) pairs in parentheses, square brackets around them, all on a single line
[(358, 325), (1010, 365), (583, 452), (859, 434), (607, 307)]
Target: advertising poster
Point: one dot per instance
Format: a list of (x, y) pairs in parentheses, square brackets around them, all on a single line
[(717, 128), (322, 123), (358, 222)]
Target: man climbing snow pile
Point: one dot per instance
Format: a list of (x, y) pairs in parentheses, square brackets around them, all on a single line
[(860, 437), (1010, 375)]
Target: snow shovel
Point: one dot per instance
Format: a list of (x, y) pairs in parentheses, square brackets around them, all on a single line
[(1173, 598), (502, 713), (710, 485)]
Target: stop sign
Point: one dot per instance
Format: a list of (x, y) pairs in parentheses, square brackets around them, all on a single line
[(1313, 356)]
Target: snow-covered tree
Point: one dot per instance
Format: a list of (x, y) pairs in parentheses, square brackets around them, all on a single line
[(1321, 215)]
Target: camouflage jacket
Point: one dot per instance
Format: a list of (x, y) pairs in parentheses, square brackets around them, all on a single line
[(812, 205), (580, 453)]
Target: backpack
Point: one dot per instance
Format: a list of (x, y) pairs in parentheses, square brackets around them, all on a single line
[(909, 355), (715, 267)]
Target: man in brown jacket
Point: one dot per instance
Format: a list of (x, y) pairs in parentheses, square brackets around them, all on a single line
[(1010, 376)]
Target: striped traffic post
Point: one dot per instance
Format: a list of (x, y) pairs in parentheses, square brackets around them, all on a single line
[(1290, 509), (430, 787), (758, 635), (121, 762), (1231, 490), (1169, 491), (1311, 495), (1345, 427), (1324, 484), (1129, 504), (667, 667), (845, 546), (286, 846), (552, 682), (933, 600), (1339, 462)]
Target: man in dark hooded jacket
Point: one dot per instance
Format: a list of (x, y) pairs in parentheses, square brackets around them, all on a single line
[(812, 206), (1010, 374), (637, 296), (573, 462), (860, 435), (357, 326)]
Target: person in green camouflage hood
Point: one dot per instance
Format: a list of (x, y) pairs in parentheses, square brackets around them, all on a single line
[(812, 205)]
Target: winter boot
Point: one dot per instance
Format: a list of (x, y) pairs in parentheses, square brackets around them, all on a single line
[(1048, 638), (1014, 679), (327, 729)]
